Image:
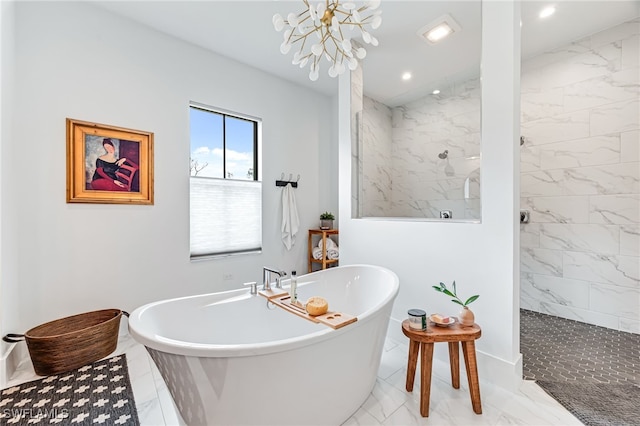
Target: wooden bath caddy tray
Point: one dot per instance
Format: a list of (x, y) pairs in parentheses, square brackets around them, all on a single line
[(334, 320)]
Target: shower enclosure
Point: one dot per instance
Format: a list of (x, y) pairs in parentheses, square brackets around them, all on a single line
[(580, 166)]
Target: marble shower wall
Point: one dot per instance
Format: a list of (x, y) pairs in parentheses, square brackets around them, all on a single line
[(376, 152), (402, 175), (423, 183), (580, 180)]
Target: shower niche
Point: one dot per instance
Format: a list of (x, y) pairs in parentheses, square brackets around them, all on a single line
[(416, 146)]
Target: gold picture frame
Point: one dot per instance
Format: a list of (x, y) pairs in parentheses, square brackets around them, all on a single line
[(108, 164)]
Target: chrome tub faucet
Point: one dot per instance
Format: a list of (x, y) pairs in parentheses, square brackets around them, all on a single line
[(266, 278)]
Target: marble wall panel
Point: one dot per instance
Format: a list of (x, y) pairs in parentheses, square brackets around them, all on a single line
[(557, 209), (538, 103), (629, 325), (616, 34), (623, 178), (529, 235), (617, 117), (557, 290), (529, 157), (542, 183), (623, 271), (602, 90), (630, 239), (580, 179), (583, 315), (562, 127), (630, 146), (376, 149), (596, 62), (630, 48), (590, 238), (530, 65), (615, 209), (541, 261), (615, 300), (607, 179), (580, 152)]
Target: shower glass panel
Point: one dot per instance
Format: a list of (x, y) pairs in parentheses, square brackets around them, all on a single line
[(416, 141)]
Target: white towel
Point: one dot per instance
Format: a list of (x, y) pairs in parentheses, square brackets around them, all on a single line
[(317, 253), (330, 243), (290, 221), (333, 253)]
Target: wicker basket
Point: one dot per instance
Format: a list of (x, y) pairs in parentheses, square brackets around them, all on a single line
[(69, 343)]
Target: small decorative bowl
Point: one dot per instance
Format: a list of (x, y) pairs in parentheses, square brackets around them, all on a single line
[(444, 322)]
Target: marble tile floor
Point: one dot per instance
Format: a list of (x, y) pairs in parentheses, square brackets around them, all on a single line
[(389, 404)]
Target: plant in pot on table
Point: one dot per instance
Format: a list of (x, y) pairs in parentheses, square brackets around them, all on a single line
[(465, 316), (326, 220)]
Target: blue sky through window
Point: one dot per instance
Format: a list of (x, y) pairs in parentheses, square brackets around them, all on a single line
[(207, 144)]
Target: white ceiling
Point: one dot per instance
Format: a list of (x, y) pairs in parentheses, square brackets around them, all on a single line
[(243, 30)]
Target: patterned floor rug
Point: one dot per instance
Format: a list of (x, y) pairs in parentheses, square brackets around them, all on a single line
[(99, 393), (597, 404)]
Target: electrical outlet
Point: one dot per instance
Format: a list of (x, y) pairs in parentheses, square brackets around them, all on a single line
[(227, 277)]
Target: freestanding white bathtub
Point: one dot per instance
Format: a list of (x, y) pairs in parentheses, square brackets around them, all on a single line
[(230, 358)]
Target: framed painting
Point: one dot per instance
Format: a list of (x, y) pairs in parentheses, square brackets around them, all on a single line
[(108, 164)]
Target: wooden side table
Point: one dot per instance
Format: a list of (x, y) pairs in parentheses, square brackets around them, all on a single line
[(422, 341)]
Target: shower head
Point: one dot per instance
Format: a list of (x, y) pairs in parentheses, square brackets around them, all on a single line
[(443, 155)]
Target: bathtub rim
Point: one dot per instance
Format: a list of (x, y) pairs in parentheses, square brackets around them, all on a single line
[(164, 344)]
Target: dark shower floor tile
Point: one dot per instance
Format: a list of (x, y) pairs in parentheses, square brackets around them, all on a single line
[(558, 349)]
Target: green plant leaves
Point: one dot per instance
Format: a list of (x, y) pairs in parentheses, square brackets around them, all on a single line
[(443, 289), (471, 299), (448, 293)]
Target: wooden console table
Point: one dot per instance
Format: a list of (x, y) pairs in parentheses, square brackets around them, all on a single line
[(422, 341)]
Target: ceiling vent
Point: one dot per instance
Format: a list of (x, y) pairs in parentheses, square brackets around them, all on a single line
[(439, 29)]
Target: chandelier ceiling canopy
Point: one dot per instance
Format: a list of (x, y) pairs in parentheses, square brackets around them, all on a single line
[(328, 29)]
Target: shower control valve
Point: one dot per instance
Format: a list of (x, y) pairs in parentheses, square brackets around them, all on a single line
[(524, 216), (446, 214)]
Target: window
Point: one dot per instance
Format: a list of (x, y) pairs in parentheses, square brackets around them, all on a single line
[(225, 193)]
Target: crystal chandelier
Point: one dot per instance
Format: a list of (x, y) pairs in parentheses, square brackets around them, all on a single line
[(334, 23)]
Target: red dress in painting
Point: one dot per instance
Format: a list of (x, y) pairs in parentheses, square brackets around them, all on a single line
[(104, 177)]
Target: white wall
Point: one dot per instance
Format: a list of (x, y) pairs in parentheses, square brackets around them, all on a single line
[(482, 258), (78, 61), (581, 180), (8, 293)]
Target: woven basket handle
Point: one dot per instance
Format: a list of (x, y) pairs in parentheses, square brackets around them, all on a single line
[(13, 338)]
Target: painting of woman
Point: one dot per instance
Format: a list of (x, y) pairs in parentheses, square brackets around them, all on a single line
[(105, 178)]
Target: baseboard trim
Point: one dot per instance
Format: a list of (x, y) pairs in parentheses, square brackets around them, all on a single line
[(500, 372), (10, 358)]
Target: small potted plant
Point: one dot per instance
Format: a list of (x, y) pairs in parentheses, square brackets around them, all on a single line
[(466, 316), (326, 220)]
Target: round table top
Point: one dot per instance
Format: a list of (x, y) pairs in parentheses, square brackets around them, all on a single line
[(436, 333)]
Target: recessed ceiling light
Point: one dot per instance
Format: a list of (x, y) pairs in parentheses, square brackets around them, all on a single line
[(406, 76), (547, 11), (435, 92), (439, 29), (439, 32)]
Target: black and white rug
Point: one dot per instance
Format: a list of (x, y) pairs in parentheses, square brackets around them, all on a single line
[(96, 394)]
